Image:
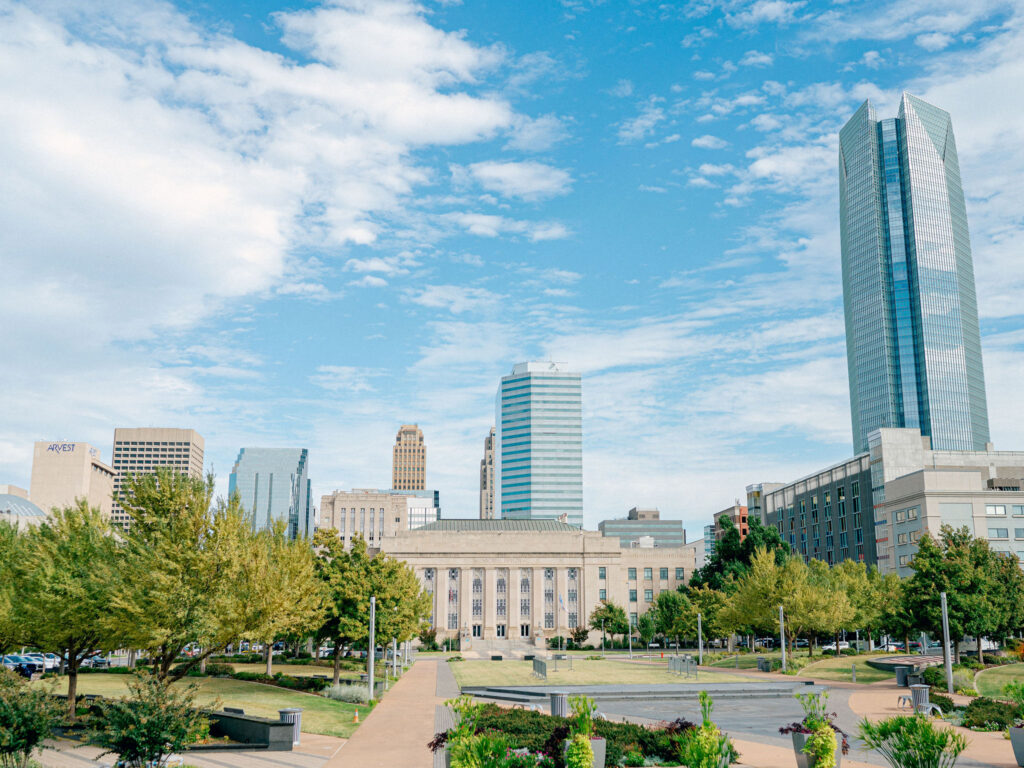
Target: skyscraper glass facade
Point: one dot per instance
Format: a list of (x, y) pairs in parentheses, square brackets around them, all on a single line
[(538, 458), (273, 484), (912, 337)]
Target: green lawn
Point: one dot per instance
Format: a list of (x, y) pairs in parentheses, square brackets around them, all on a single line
[(584, 672), (295, 670), (990, 682), (838, 668), (320, 715)]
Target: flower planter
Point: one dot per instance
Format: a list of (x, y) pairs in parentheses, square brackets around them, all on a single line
[(1017, 742), (804, 760), (598, 744)]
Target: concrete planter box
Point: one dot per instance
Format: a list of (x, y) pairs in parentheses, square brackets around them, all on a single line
[(803, 760), (598, 744), (1017, 742)]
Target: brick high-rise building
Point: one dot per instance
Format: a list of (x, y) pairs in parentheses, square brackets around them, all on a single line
[(409, 467)]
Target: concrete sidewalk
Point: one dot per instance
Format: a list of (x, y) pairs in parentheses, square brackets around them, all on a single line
[(398, 729)]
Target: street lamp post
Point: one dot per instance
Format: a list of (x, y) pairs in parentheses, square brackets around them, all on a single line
[(373, 641), (602, 637), (782, 637), (946, 651), (700, 641)]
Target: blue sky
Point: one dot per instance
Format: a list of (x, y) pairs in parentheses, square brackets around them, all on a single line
[(307, 224)]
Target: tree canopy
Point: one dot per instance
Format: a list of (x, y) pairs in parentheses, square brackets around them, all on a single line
[(731, 558)]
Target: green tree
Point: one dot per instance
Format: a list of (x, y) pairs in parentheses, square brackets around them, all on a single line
[(188, 571), (855, 579), (345, 575), (10, 556), (610, 618), (669, 610), (820, 604), (402, 604), (959, 565), (66, 580), (646, 626), (710, 604), (896, 618), (283, 596), (731, 558)]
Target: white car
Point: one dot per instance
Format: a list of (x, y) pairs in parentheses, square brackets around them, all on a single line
[(843, 646)]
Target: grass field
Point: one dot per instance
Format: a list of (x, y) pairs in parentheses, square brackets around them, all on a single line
[(838, 669), (990, 682), (584, 672), (320, 715), (295, 670)]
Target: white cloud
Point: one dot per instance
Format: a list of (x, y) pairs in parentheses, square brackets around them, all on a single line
[(872, 59), (641, 126), (527, 180), (455, 298), (536, 134), (344, 378), (756, 59), (622, 89), (388, 265), (765, 11), (369, 281), (933, 41), (490, 225), (709, 142)]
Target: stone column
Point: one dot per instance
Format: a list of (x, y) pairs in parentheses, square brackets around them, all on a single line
[(562, 608), (466, 603), (537, 604), (490, 601)]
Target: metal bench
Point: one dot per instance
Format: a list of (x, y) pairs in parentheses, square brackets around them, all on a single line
[(905, 701)]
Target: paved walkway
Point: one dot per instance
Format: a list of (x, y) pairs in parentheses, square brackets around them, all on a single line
[(398, 729)]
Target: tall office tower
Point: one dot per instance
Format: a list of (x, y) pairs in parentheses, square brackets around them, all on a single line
[(409, 467), (912, 339), (64, 472), (140, 451), (273, 484), (538, 451), (487, 478)]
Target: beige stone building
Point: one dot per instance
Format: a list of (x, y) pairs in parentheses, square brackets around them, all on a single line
[(139, 451), (507, 585), (376, 514), (409, 463), (64, 472), (487, 479), (13, 490)]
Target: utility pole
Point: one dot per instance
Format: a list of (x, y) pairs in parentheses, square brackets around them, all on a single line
[(782, 636), (373, 641), (947, 661), (700, 641)]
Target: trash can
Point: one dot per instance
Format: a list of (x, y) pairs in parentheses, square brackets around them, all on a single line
[(763, 665), (559, 704), (919, 695), (902, 673), (293, 716)]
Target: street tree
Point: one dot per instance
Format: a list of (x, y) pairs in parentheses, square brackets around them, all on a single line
[(820, 604), (66, 580), (403, 605), (732, 557), (190, 566), (646, 626), (282, 594), (610, 618), (10, 555), (345, 575)]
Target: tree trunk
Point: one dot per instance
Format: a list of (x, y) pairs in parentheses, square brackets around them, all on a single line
[(131, 658), (269, 656), (337, 662), (981, 653), (837, 643), (202, 664), (906, 643), (810, 648), (72, 686)]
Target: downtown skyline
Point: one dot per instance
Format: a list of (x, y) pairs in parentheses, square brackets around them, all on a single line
[(649, 195)]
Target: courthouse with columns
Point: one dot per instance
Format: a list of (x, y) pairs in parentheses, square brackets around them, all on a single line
[(503, 585)]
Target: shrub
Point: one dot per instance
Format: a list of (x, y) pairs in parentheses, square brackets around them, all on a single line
[(934, 676), (987, 714), (215, 669), (1014, 691), (968, 665), (943, 702), (354, 694), (579, 754), (155, 720), (912, 740), (633, 759), (311, 684), (27, 716)]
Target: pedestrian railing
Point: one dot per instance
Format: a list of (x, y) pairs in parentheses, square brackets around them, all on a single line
[(540, 669)]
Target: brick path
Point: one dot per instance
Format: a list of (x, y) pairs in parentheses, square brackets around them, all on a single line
[(396, 732)]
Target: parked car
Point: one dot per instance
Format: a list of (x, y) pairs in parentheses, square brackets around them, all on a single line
[(32, 665), (49, 660), (891, 647), (802, 643), (843, 645), (95, 662)]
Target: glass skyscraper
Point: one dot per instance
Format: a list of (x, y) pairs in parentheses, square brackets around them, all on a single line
[(912, 339), (538, 455), (273, 484)]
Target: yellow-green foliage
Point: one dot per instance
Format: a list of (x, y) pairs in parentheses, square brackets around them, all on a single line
[(821, 744), (579, 754)]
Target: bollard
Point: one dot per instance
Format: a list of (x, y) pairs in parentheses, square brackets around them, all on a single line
[(853, 673)]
